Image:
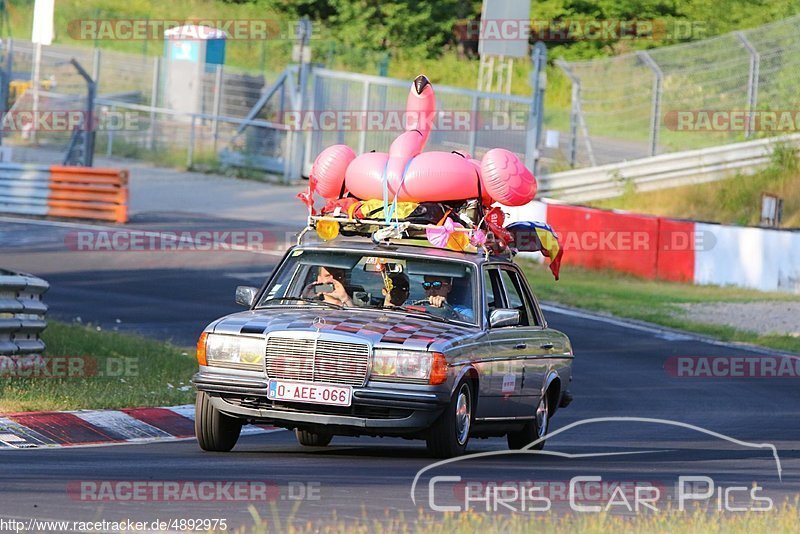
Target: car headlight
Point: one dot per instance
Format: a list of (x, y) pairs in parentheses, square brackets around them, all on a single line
[(235, 351), (414, 366)]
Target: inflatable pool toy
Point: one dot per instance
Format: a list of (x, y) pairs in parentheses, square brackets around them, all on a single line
[(407, 174)]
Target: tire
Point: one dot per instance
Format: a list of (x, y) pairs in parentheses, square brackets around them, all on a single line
[(533, 429), (449, 435), (308, 438), (215, 431)]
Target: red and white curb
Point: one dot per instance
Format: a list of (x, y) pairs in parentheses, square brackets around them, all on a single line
[(102, 427)]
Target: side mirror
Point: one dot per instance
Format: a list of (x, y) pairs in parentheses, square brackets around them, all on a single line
[(246, 295), (504, 317)]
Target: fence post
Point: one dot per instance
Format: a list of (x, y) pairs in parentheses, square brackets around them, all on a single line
[(655, 118), (752, 83), (110, 141), (96, 65), (217, 101), (362, 137), (151, 134), (539, 81), (91, 132), (190, 151), (473, 132), (573, 122), (576, 117), (5, 80), (304, 73)]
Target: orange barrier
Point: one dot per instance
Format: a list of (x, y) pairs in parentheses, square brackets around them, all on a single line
[(88, 193)]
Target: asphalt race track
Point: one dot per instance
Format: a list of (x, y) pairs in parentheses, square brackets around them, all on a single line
[(619, 372)]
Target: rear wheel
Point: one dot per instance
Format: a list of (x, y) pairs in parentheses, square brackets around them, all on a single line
[(215, 431), (313, 439), (450, 433), (534, 429)]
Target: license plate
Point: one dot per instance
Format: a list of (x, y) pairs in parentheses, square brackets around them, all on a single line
[(312, 393)]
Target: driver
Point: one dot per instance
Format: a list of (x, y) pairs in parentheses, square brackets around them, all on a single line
[(436, 290), (334, 277)]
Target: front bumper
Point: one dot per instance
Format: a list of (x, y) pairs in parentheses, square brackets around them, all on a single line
[(383, 408)]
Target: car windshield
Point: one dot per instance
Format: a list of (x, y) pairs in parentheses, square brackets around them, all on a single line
[(438, 288)]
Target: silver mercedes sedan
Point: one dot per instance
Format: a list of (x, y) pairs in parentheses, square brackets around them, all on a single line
[(354, 338)]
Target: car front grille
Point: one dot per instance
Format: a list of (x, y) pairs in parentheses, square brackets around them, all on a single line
[(317, 360)]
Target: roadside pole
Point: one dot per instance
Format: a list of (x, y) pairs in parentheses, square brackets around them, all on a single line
[(42, 34)]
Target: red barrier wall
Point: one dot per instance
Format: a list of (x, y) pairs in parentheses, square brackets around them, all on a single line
[(675, 253), (641, 245)]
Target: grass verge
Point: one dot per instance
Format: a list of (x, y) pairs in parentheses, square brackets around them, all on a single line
[(90, 369), (657, 302), (783, 518), (736, 200)]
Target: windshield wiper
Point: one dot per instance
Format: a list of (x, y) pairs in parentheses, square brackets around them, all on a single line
[(303, 299)]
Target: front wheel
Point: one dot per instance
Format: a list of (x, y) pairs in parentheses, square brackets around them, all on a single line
[(534, 429), (450, 433), (215, 431)]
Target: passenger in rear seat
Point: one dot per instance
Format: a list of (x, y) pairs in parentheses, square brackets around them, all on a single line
[(397, 292)]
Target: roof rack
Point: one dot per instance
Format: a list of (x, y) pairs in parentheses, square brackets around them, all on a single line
[(386, 232)]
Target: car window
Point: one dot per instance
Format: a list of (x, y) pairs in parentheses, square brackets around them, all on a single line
[(517, 298), (494, 290)]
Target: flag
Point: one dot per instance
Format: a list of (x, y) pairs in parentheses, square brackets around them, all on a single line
[(533, 236)]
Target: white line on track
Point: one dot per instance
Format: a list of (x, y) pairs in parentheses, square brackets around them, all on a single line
[(659, 331)]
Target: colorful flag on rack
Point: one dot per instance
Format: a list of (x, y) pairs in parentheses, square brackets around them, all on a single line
[(533, 236)]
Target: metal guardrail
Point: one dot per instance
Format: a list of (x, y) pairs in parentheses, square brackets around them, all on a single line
[(24, 188), (660, 172), (22, 314)]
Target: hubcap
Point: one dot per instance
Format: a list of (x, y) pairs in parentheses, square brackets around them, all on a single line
[(541, 416), (462, 415)]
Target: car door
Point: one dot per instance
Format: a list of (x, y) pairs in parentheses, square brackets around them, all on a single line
[(533, 342), (530, 340), (502, 369)]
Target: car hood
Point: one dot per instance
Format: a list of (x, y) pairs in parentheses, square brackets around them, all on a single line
[(375, 326)]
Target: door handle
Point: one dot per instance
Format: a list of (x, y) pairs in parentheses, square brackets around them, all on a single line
[(546, 346), (521, 346)]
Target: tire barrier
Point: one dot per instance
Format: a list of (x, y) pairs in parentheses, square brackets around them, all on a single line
[(22, 317), (69, 192)]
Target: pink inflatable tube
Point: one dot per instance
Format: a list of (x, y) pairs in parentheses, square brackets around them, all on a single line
[(412, 175)]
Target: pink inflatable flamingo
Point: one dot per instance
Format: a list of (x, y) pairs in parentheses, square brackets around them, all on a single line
[(414, 176)]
